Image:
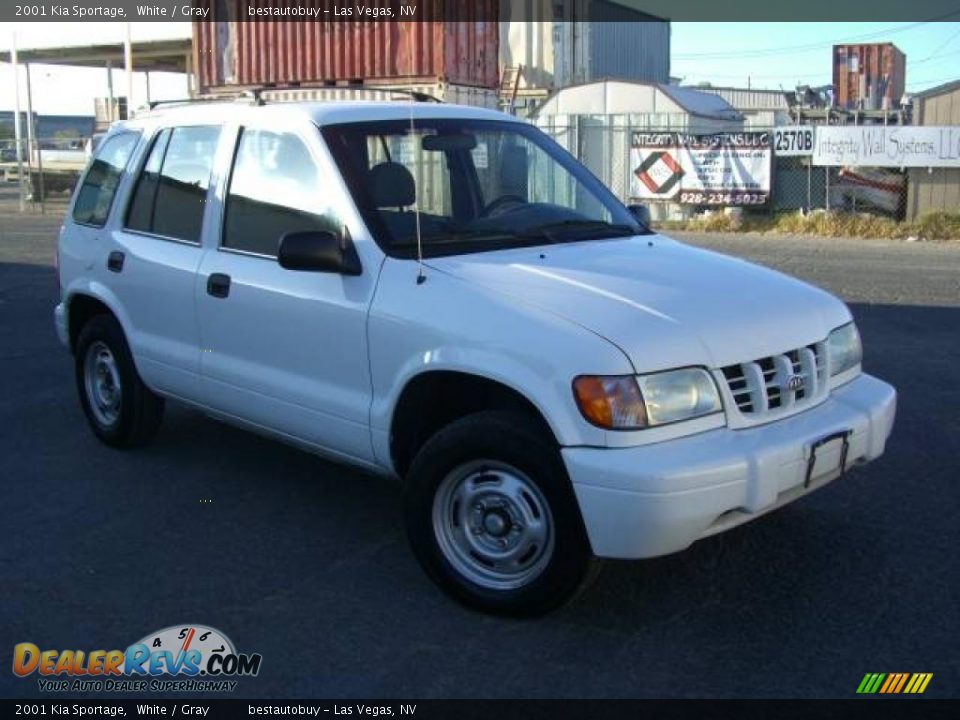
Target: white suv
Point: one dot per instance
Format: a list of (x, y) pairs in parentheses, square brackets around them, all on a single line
[(444, 295)]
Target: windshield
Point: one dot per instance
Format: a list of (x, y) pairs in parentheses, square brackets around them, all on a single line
[(478, 184)]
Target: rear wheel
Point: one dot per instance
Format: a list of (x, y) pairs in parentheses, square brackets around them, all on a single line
[(121, 410), (492, 518)]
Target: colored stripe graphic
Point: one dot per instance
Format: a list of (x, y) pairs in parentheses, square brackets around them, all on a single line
[(903, 680), (894, 683), (918, 683)]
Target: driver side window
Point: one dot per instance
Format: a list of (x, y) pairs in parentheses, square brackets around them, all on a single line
[(512, 166), (275, 188)]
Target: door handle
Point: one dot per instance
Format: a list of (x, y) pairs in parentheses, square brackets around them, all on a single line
[(218, 285), (115, 261)]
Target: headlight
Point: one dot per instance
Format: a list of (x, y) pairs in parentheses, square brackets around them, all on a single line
[(844, 349), (679, 395), (632, 403)]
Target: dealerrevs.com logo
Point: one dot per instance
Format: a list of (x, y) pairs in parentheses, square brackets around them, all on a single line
[(188, 658)]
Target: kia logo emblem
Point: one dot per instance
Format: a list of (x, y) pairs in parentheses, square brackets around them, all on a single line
[(795, 382)]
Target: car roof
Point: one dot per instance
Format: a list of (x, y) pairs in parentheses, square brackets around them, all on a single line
[(320, 113)]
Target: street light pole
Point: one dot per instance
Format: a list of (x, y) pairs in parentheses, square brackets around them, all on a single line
[(128, 63), (16, 120)]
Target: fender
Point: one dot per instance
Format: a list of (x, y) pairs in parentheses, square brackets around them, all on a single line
[(99, 291), (447, 324)]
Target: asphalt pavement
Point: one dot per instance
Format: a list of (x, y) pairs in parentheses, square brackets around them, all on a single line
[(306, 563)]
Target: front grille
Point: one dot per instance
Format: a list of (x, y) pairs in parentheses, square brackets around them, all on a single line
[(778, 382)]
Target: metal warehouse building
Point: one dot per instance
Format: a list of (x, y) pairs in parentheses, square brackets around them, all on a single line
[(595, 121), (935, 189)]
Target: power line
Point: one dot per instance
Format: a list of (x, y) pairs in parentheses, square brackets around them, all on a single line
[(927, 81), (941, 47), (768, 76), (791, 49)]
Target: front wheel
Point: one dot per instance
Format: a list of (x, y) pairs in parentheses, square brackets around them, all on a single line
[(492, 518)]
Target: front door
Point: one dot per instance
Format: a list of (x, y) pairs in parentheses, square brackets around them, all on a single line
[(283, 349)]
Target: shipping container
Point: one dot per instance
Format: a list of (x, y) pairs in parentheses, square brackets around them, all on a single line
[(444, 92), (231, 54), (595, 39), (869, 76)]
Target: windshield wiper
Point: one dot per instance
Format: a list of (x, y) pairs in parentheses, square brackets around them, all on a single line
[(579, 230), (453, 238)]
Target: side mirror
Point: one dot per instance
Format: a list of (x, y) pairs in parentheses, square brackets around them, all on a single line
[(641, 213), (318, 251)]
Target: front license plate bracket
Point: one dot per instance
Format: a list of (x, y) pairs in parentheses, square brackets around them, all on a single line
[(844, 436)]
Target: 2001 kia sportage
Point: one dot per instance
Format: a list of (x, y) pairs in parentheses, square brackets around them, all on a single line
[(444, 295)]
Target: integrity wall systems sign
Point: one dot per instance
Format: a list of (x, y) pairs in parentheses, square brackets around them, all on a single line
[(717, 169), (888, 146)]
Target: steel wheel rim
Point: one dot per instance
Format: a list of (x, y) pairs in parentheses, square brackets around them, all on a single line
[(101, 378), (493, 524)]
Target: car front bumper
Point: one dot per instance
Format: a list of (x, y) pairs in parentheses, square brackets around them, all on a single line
[(657, 499)]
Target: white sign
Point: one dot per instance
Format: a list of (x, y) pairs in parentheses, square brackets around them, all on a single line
[(887, 146), (720, 169), (793, 140)]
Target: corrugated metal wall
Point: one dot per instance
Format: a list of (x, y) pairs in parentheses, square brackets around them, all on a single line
[(230, 53), (938, 188), (749, 98), (628, 44), (454, 94)]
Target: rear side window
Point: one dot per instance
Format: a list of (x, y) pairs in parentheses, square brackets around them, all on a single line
[(100, 183), (140, 213), (274, 189), (171, 192)]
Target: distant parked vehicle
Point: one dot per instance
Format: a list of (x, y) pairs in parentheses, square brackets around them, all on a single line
[(444, 295)]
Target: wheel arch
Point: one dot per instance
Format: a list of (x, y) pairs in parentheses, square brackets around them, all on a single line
[(84, 303), (434, 398)]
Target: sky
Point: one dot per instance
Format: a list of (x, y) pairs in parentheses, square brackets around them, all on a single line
[(774, 55), (768, 55)]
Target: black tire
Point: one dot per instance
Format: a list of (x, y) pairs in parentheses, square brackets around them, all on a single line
[(517, 441), (139, 410)]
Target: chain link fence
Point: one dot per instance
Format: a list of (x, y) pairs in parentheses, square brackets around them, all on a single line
[(795, 185)]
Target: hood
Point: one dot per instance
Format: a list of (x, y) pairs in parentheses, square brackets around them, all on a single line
[(665, 304)]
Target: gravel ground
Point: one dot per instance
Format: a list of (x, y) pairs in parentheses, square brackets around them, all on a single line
[(305, 561)]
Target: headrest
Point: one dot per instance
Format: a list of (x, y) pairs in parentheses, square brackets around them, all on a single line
[(392, 185)]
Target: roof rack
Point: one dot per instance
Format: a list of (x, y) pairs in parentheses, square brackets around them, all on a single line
[(253, 96), (415, 94)]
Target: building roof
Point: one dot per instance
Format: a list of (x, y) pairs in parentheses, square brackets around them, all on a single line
[(148, 55), (700, 103), (614, 96), (938, 90)]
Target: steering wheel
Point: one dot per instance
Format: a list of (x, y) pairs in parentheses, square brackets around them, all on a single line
[(496, 203)]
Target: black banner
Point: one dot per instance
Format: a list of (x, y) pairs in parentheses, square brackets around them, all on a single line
[(473, 10), (894, 709)]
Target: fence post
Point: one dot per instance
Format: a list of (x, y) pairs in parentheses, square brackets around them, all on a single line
[(809, 185), (826, 169)]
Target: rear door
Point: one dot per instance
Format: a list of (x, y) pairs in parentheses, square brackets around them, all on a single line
[(283, 349), (156, 253)]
